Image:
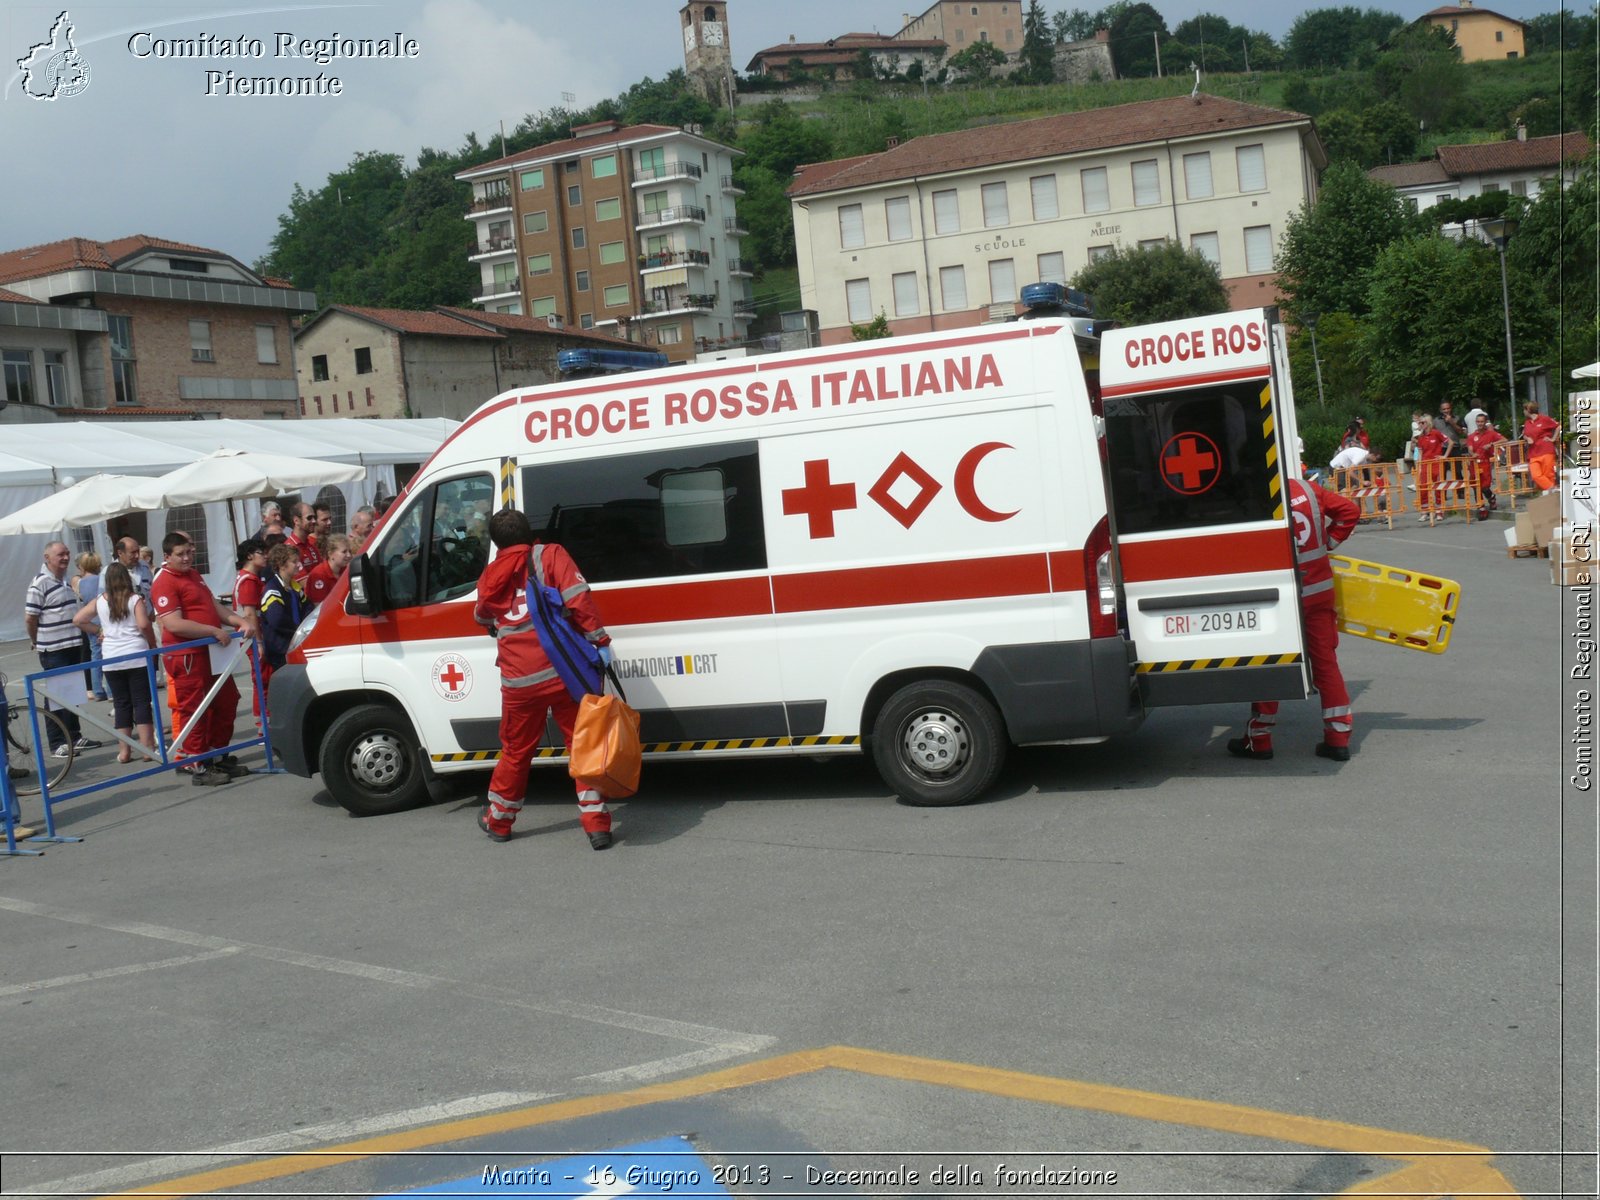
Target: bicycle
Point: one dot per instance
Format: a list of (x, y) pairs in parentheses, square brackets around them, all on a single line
[(19, 748)]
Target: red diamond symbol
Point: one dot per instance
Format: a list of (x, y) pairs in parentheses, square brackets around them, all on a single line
[(904, 467)]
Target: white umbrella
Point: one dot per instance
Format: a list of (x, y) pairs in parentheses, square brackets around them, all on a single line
[(96, 498), (1592, 371), (239, 474)]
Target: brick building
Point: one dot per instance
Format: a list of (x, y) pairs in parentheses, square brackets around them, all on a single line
[(143, 326)]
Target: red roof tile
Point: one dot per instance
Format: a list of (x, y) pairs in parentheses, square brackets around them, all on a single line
[(409, 320), (1047, 137), (1451, 10), (1482, 157), (522, 324), (10, 297), (1411, 174), (79, 253)]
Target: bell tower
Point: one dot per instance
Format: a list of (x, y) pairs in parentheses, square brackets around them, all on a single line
[(707, 55)]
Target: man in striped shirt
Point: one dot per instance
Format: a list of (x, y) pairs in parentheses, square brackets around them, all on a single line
[(48, 614)]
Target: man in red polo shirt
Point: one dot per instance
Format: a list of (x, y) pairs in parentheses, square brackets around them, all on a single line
[(188, 611), (302, 539)]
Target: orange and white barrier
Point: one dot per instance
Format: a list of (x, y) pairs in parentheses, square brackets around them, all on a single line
[(1448, 485), (1376, 487)]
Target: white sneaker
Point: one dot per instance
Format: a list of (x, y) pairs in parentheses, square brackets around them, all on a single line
[(59, 752)]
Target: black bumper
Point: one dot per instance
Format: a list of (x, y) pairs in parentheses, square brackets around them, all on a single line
[(289, 699), (1051, 691)]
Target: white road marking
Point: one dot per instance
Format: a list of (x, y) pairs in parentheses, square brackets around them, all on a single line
[(309, 1136), (718, 1044), (40, 985)]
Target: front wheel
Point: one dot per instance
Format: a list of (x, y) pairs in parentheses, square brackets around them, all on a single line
[(938, 744), (371, 763), (20, 739)]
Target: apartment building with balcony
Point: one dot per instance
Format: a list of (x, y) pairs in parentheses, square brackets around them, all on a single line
[(631, 231), (943, 231)]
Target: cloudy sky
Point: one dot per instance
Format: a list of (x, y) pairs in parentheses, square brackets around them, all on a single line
[(143, 148)]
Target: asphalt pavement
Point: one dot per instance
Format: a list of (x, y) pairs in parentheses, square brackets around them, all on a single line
[(1294, 977)]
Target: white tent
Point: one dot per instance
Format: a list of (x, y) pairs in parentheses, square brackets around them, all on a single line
[(37, 460), (1592, 371)]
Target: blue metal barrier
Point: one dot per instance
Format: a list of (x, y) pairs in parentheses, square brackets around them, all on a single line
[(9, 811), (165, 761)]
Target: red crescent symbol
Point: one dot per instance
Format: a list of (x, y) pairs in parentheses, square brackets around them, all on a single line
[(967, 493)]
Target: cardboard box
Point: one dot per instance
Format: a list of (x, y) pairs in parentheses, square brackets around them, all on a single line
[(1523, 529), (1544, 514), (1566, 570)]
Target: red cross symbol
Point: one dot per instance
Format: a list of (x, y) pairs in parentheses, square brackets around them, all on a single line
[(819, 499), (452, 677), (1196, 469)]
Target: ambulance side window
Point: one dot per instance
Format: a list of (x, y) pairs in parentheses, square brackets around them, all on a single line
[(439, 546), (1191, 459), (656, 514)]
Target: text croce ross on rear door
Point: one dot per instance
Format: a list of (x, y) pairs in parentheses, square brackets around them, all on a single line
[(902, 546), (1197, 470)]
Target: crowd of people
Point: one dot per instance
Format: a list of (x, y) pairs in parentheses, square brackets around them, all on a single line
[(99, 614)]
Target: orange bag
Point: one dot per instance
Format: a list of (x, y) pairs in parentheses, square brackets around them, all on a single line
[(605, 746)]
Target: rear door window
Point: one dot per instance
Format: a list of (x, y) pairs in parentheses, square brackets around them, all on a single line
[(1191, 459)]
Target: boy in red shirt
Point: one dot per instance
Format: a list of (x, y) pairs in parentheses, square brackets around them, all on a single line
[(1481, 443), (188, 611), (529, 685)]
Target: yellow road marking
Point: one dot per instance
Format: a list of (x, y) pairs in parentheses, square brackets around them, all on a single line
[(1440, 1173)]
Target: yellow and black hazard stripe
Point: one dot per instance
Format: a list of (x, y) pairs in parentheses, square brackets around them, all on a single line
[(1217, 664), (508, 475), (1269, 428), (762, 743)]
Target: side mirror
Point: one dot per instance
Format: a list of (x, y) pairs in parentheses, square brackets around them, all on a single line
[(366, 587)]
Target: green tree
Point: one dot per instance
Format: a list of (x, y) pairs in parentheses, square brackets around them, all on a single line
[(1038, 47), (1565, 29), (1437, 329), (1390, 131), (1344, 373), (339, 228), (670, 101), (1214, 42), (767, 215), (780, 140), (1555, 248), (1422, 70), (1329, 248), (1332, 38), (1345, 137), (1162, 283), (978, 61), (1133, 41), (874, 329)]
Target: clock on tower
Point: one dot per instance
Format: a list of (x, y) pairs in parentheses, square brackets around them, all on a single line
[(707, 56)]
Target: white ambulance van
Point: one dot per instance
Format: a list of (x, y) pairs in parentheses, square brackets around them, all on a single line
[(929, 548)]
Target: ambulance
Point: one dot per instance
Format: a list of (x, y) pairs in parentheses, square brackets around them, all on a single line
[(925, 548)]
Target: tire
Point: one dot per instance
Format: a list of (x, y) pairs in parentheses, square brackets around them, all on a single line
[(938, 744), (371, 763), (19, 738)]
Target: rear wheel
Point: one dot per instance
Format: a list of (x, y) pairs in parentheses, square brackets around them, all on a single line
[(938, 744), (371, 763), (19, 750)]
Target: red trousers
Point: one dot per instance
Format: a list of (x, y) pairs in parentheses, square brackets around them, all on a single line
[(190, 672), (1322, 637), (522, 712)]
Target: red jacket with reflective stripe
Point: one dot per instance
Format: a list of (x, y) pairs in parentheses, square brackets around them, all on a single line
[(503, 606), (1321, 520)]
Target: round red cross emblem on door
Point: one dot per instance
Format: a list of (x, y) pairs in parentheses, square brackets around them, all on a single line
[(1191, 464), (452, 677)]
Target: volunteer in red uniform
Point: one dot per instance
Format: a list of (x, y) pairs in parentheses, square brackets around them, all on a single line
[(1540, 432), (248, 587), (302, 538), (529, 685), (1481, 443), (189, 611), (1322, 520), (321, 578), (1432, 445)]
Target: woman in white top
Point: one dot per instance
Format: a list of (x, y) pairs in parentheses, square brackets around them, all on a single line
[(124, 628)]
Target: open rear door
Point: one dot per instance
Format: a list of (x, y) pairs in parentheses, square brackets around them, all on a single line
[(1198, 477)]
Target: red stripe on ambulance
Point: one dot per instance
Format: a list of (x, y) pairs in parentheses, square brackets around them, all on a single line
[(1188, 555)]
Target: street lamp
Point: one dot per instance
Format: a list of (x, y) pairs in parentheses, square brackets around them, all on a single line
[(1309, 320), (1499, 231)]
